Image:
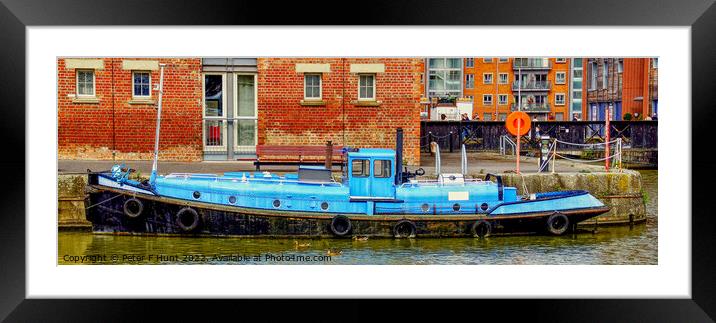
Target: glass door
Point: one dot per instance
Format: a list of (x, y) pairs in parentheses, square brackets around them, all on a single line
[(245, 115), (214, 115)]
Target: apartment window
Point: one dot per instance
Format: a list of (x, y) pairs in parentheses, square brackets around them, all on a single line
[(366, 87), (559, 116), (141, 84), (469, 81), (503, 59), (487, 78), (502, 116), (470, 97), (561, 60), (487, 59), (654, 63), (577, 73), (503, 78), (312, 88), (605, 74), (85, 82), (487, 116), (593, 76), (620, 66), (469, 62), (559, 98), (502, 99), (487, 99), (561, 77)]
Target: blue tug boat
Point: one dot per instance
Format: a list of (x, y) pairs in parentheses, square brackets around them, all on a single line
[(373, 197)]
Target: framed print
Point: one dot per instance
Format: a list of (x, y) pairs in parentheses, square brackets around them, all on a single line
[(506, 152)]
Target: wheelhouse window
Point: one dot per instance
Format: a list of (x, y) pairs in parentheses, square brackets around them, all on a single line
[(312, 89), (366, 87), (360, 168), (85, 82), (381, 168), (141, 84)]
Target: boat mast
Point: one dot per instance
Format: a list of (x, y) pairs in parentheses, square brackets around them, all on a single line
[(153, 177)]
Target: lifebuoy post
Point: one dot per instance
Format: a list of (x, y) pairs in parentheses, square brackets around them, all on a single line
[(518, 124)]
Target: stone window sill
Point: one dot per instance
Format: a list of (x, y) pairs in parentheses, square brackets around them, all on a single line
[(313, 102), (141, 101), (366, 103), (85, 100)]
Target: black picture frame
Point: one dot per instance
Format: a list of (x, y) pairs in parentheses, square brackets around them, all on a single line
[(15, 15)]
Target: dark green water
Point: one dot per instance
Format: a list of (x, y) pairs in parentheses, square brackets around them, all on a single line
[(611, 245)]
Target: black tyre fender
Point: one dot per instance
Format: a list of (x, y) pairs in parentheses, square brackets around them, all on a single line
[(341, 225), (133, 207), (557, 223), (481, 229), (188, 219), (404, 229)]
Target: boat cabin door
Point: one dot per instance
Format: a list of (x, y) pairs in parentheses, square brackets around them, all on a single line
[(371, 177)]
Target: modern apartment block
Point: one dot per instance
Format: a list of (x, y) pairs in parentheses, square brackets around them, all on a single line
[(622, 86), (497, 86)]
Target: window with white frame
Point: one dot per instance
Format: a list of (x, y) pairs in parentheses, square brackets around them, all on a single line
[(561, 59), (487, 59), (487, 78), (366, 87), (469, 81), (655, 62), (559, 98), (561, 77), (605, 74), (312, 86), (85, 82), (487, 99), (469, 62), (503, 59), (593, 76), (141, 81), (503, 78), (502, 99), (620, 66)]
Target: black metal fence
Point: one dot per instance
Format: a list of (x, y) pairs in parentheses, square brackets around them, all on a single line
[(485, 135)]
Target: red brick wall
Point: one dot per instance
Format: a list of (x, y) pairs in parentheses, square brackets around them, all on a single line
[(282, 120), (87, 130)]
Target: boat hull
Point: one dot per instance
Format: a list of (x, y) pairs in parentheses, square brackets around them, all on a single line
[(161, 216)]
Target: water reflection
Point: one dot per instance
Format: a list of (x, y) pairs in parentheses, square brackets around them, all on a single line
[(610, 245)]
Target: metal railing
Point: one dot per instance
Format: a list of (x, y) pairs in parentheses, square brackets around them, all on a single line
[(505, 141), (532, 107), (531, 63), (531, 86)]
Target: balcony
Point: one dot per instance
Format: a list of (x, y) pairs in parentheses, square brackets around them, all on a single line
[(531, 86), (531, 64), (532, 107)]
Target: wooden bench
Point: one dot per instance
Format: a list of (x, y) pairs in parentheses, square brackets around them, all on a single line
[(296, 155)]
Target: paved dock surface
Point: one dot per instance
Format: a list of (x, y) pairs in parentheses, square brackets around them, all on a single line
[(477, 163)]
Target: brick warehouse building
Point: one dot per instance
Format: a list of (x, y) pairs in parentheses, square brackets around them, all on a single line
[(108, 105), (221, 108), (355, 102)]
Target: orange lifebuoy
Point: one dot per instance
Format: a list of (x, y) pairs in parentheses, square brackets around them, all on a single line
[(518, 119)]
